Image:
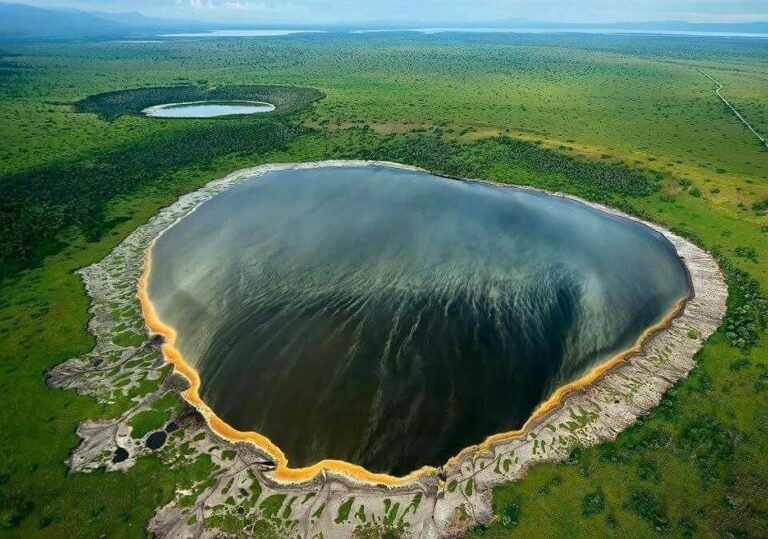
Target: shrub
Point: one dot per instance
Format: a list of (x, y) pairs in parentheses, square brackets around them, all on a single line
[(643, 504), (510, 515), (746, 252), (593, 504)]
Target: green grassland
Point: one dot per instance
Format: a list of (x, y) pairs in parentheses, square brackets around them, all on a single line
[(630, 121), (112, 105)]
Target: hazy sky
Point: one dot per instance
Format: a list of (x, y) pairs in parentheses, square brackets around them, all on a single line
[(325, 11)]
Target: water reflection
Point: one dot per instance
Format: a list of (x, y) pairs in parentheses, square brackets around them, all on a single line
[(391, 318)]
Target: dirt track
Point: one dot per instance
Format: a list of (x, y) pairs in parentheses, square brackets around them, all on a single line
[(736, 112)]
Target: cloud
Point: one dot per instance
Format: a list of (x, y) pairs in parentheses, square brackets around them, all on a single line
[(201, 4), (268, 7)]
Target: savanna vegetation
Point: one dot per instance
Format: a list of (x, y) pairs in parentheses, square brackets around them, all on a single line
[(629, 121), (111, 105)]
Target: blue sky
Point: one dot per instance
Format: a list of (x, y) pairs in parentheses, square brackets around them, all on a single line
[(328, 11)]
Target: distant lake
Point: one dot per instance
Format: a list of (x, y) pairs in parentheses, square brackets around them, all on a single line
[(242, 33), (475, 30), (207, 109), (391, 318), (482, 30)]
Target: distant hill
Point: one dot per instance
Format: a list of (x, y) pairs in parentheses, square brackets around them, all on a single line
[(143, 22), (19, 22), (23, 22)]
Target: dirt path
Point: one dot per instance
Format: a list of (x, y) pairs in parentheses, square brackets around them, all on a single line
[(736, 112)]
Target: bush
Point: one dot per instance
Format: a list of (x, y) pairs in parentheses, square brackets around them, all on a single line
[(746, 252), (760, 206), (37, 205), (747, 314), (710, 444), (643, 504), (510, 515), (593, 504)]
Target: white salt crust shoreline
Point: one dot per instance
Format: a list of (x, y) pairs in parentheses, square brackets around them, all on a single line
[(583, 417), (150, 111)]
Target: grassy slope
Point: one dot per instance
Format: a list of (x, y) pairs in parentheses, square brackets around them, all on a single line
[(643, 103)]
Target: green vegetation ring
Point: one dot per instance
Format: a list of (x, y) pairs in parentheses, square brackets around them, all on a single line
[(112, 105), (232, 486)]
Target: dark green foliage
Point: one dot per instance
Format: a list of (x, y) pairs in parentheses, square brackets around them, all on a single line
[(710, 443), (574, 457), (739, 364), (687, 527), (547, 488), (612, 454), (760, 206), (687, 234), (593, 503), (510, 515), (643, 504), (761, 384), (37, 205), (12, 509), (747, 314), (632, 442), (112, 105), (746, 252), (760, 421), (486, 158), (647, 470)]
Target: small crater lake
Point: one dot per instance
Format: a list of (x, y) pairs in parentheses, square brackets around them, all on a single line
[(391, 318), (208, 109)]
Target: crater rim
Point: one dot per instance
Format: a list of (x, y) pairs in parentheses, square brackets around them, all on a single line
[(282, 471)]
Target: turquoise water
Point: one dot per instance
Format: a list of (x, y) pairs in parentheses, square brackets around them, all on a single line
[(208, 109), (391, 318), (567, 30), (243, 33)]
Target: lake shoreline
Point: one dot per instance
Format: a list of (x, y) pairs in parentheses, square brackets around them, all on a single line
[(586, 415), (152, 112), (283, 471)]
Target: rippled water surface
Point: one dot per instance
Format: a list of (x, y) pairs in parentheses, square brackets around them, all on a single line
[(391, 318)]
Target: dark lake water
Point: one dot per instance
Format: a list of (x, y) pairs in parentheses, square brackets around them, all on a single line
[(208, 109), (391, 318)]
